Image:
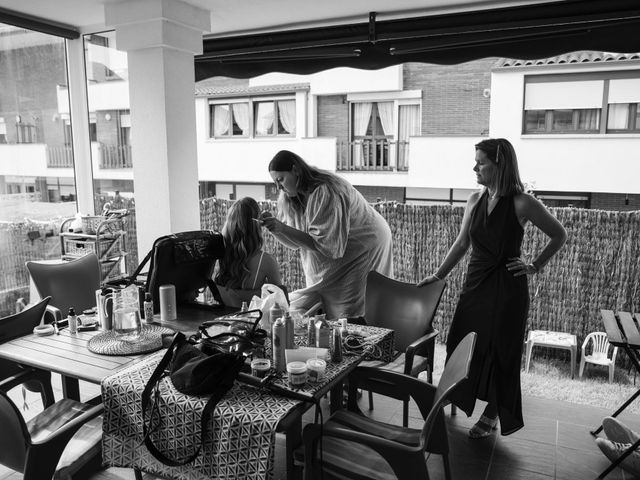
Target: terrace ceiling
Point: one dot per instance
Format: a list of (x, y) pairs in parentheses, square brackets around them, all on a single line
[(252, 37)]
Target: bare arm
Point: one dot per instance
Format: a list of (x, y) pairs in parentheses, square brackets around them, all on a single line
[(459, 246), (530, 209), (289, 236)]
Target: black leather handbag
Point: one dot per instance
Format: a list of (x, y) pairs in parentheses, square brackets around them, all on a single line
[(193, 372)]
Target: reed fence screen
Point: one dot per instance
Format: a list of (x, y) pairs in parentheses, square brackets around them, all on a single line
[(599, 267)]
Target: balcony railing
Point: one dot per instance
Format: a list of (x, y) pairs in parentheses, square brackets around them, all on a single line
[(372, 155), (115, 156), (59, 156)]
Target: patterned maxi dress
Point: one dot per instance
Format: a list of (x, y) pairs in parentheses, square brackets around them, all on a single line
[(494, 304)]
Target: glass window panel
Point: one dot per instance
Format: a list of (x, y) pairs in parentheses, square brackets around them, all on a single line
[(220, 120), (562, 120), (110, 130), (534, 121), (287, 117), (589, 119), (240, 116), (637, 125), (264, 117), (618, 116), (37, 184)]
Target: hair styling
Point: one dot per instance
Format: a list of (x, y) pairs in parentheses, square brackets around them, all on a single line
[(503, 155), (291, 210), (242, 239)]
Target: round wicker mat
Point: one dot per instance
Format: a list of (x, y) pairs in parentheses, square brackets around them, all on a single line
[(150, 340)]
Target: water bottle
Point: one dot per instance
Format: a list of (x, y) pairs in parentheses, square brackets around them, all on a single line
[(72, 321), (278, 345), (323, 332), (290, 326)]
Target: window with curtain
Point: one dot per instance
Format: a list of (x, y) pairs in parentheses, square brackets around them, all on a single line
[(276, 117), (230, 120), (576, 104), (372, 131), (408, 126)]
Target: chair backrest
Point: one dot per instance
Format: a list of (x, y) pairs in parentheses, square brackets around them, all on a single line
[(22, 323), (69, 284), (599, 341), (403, 307), (15, 439), (455, 372)]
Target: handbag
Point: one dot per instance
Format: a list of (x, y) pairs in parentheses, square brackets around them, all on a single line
[(193, 372)]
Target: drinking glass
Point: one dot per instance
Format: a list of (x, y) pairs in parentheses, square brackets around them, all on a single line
[(299, 322), (126, 313)]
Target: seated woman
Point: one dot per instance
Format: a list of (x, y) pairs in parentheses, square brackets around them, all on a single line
[(245, 267)]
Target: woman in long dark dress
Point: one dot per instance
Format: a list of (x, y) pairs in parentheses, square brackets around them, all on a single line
[(494, 301)]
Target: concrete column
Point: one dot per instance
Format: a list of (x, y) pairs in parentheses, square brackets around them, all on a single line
[(161, 38)]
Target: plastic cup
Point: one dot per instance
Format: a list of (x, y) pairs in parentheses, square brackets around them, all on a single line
[(260, 367)]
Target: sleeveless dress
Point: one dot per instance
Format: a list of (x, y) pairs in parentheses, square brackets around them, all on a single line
[(494, 304)]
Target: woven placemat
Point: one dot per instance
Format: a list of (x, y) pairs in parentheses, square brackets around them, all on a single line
[(108, 343)]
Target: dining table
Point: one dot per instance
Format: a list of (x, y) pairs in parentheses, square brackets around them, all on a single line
[(252, 433)]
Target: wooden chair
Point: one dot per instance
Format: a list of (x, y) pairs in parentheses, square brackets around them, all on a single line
[(69, 284), (355, 446), (17, 325), (599, 353), (35, 448), (408, 310)]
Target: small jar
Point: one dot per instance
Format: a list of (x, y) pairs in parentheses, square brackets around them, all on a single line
[(315, 369), (297, 373), (260, 367)]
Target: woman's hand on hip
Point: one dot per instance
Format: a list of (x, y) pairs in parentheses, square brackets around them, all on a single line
[(519, 267)]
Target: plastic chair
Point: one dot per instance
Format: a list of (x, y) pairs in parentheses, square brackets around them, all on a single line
[(409, 311), (69, 284), (355, 446), (15, 326), (35, 448), (599, 353)]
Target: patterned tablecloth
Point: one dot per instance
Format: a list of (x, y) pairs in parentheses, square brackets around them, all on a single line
[(239, 442)]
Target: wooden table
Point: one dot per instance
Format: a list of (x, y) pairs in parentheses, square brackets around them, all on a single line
[(69, 356), (622, 331)]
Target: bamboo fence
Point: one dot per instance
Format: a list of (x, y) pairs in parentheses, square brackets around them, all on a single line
[(598, 268)]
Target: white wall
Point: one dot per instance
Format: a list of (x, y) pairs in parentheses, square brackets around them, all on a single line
[(339, 80), (573, 163)]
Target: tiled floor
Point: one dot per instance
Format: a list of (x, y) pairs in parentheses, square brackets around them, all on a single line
[(555, 443)]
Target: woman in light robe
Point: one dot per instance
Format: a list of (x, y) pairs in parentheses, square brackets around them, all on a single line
[(339, 235)]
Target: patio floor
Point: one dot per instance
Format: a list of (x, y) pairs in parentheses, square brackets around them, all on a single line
[(555, 443)]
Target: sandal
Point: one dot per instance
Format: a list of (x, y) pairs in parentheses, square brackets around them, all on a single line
[(483, 427)]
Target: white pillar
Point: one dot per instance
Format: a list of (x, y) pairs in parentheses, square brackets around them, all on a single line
[(161, 38)]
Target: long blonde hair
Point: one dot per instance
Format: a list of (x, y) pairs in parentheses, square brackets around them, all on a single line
[(242, 239)]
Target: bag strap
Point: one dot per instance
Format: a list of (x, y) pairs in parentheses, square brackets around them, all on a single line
[(160, 372), (215, 292)]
